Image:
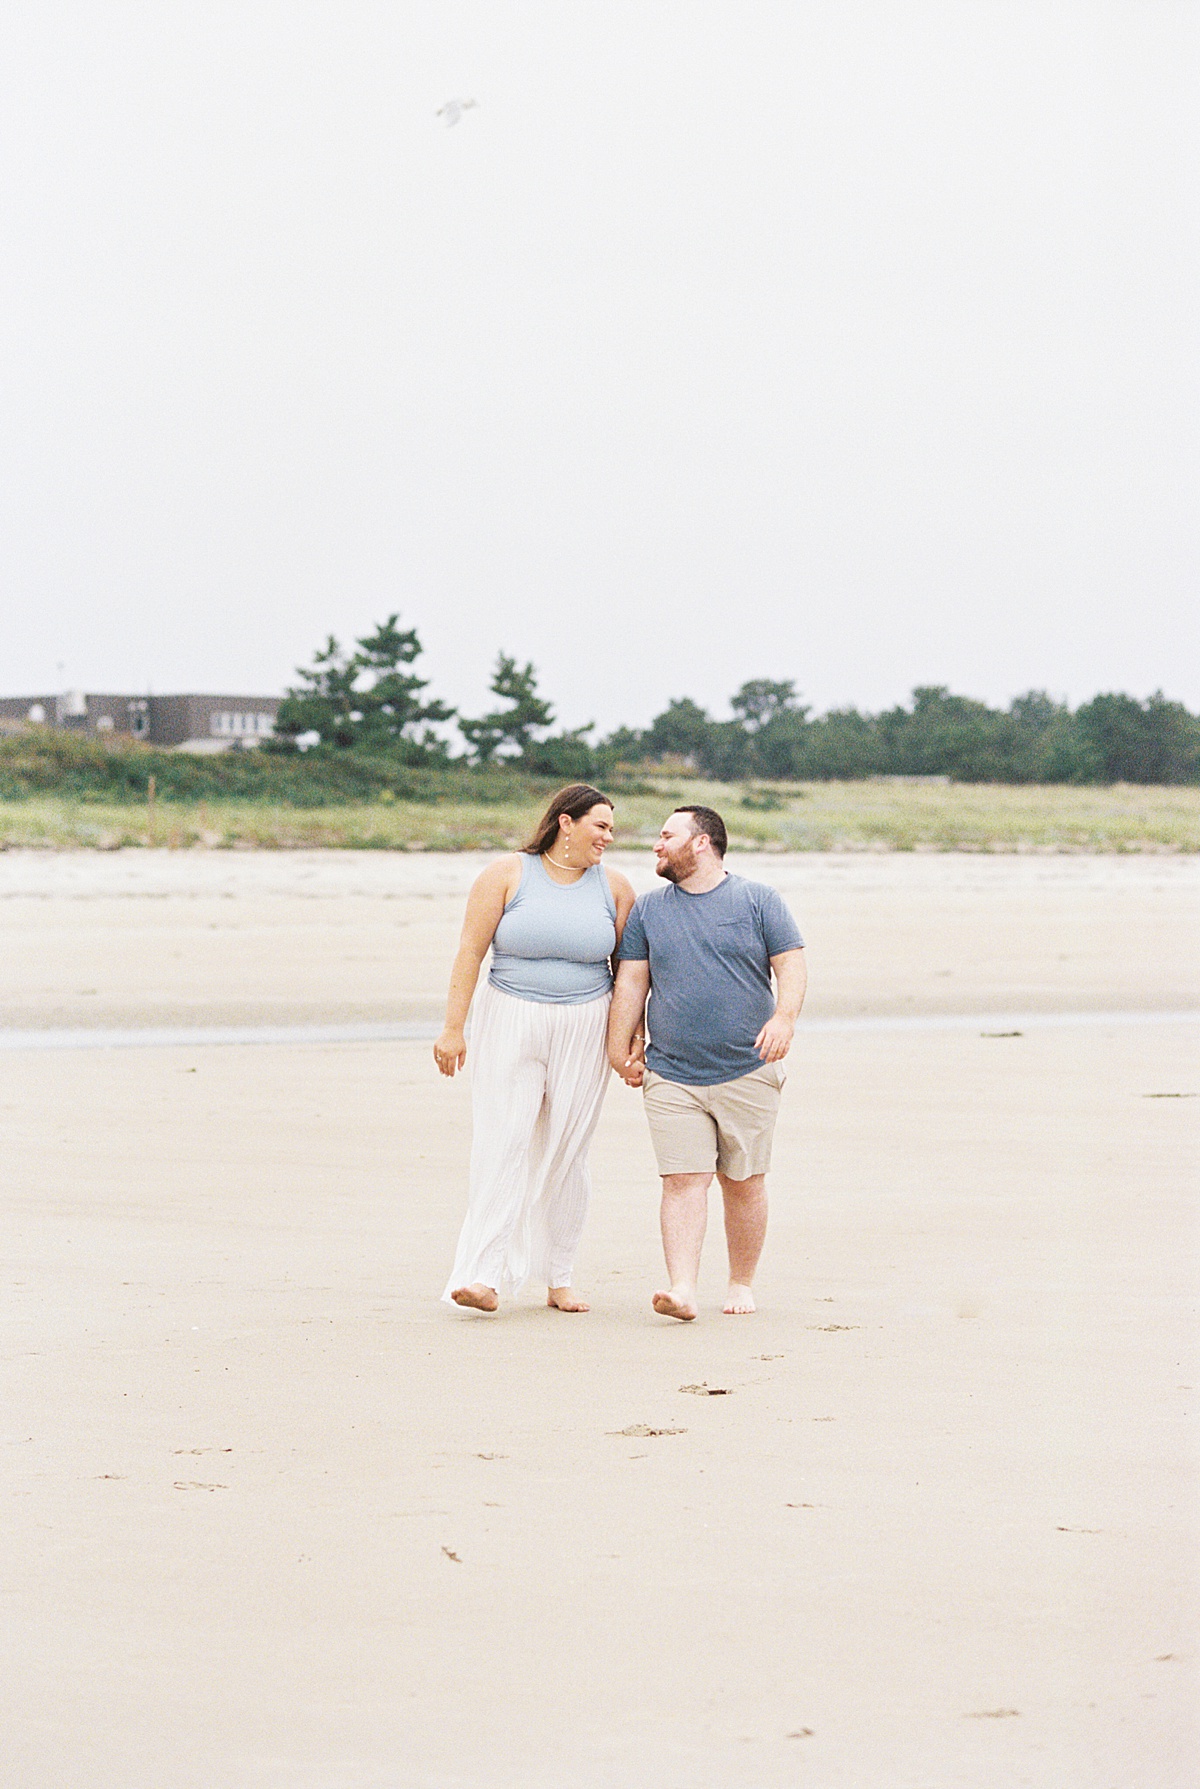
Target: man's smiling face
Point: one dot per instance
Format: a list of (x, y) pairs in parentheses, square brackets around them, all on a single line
[(675, 848)]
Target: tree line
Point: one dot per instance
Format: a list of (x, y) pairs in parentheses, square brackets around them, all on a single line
[(369, 700)]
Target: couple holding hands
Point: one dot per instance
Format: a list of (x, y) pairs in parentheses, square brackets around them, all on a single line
[(690, 1017)]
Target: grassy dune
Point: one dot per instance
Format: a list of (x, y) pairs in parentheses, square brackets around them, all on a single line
[(883, 815)]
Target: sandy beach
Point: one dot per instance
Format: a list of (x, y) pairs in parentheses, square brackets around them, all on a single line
[(280, 1520)]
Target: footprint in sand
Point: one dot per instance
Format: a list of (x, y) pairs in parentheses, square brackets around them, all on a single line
[(639, 1431)]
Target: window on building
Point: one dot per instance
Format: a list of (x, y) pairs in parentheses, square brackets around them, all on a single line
[(225, 725)]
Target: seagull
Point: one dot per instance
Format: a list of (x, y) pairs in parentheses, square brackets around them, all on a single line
[(453, 110)]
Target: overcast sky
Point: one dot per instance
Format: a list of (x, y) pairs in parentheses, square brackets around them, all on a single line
[(852, 343)]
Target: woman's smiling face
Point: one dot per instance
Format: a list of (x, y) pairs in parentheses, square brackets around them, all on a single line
[(585, 840)]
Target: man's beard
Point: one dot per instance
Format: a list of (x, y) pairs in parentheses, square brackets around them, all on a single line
[(681, 869)]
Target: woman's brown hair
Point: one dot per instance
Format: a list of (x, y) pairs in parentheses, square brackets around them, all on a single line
[(576, 800)]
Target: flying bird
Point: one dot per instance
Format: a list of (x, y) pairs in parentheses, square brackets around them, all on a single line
[(453, 110)]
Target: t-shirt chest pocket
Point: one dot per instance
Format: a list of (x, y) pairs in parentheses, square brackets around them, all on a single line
[(737, 934)]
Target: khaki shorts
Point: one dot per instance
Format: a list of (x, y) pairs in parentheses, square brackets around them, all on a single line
[(729, 1126)]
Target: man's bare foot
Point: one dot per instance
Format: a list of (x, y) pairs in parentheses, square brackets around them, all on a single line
[(678, 1302), (561, 1298), (740, 1302), (478, 1297)]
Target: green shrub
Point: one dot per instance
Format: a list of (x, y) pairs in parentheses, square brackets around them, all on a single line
[(44, 761)]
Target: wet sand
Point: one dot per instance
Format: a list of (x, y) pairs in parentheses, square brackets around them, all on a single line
[(277, 1517)]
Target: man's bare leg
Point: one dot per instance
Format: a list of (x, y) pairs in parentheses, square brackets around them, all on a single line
[(684, 1216), (561, 1298), (745, 1233), (477, 1297)]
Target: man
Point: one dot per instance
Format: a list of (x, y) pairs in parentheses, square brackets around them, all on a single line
[(702, 951)]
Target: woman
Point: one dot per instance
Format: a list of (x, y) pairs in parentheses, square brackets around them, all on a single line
[(552, 916)]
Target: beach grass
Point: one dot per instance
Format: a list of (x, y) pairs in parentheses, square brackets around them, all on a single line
[(889, 814)]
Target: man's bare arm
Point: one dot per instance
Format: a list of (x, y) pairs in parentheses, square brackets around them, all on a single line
[(791, 979), (626, 1017)]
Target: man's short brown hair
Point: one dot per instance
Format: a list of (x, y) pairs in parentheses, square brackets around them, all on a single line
[(708, 821)]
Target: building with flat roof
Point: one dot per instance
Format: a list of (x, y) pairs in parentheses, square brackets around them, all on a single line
[(180, 723)]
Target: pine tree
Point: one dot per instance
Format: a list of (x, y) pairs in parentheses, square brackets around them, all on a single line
[(323, 702), (365, 699), (391, 704), (513, 727)]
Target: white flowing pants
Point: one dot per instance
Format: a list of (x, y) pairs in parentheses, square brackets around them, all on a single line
[(538, 1074)]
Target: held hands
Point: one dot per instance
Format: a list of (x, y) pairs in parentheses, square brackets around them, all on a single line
[(450, 1051), (775, 1039), (632, 1068)]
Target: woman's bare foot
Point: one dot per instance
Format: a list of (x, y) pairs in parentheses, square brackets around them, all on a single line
[(561, 1298), (679, 1302), (740, 1302), (478, 1297)]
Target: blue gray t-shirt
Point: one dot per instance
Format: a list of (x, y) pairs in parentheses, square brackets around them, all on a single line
[(710, 975)]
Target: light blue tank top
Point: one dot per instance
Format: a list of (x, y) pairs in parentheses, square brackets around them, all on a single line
[(554, 941)]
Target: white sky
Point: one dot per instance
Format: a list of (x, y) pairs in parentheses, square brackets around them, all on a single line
[(847, 342)]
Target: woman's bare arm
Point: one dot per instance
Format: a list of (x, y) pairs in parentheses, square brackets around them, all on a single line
[(491, 893)]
